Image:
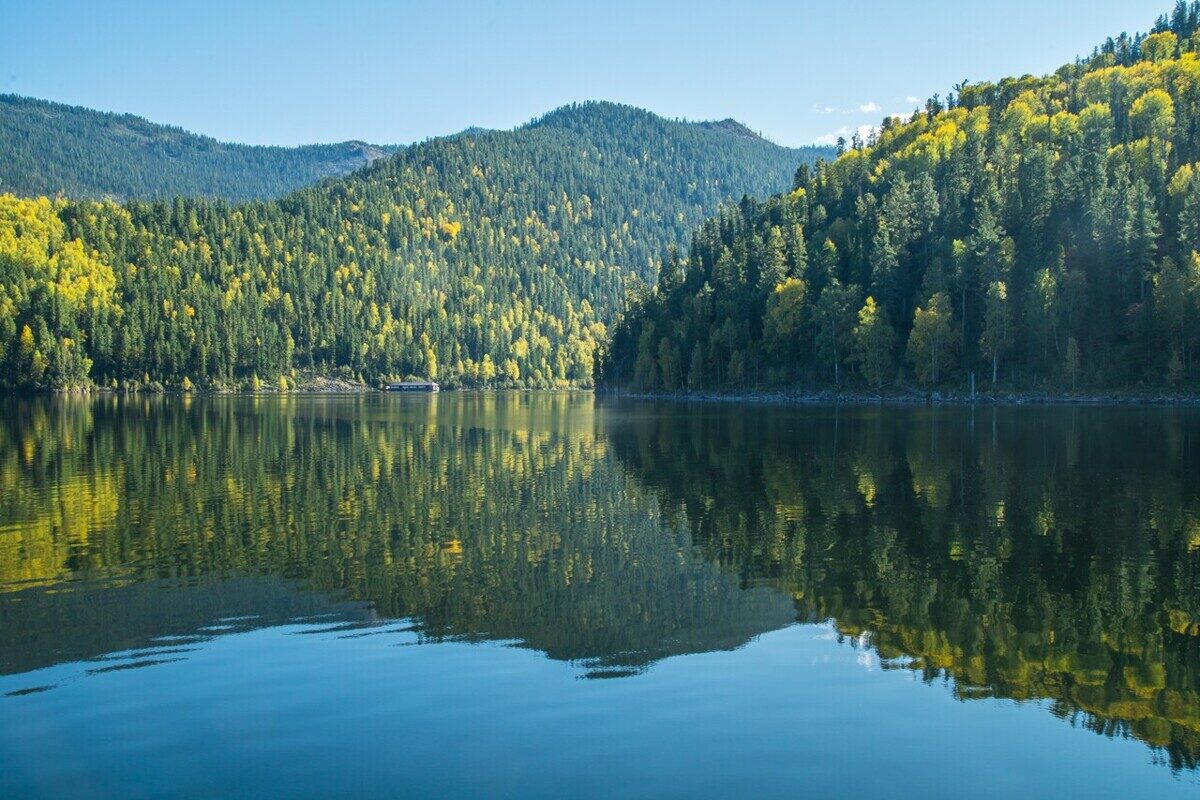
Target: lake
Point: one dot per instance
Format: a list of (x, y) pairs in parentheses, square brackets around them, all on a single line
[(549, 595)]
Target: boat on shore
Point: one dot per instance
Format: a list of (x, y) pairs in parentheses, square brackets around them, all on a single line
[(411, 386)]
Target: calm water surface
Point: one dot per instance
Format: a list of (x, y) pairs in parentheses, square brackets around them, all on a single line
[(556, 595)]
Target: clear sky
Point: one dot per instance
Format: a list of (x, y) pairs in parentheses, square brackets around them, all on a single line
[(274, 72)]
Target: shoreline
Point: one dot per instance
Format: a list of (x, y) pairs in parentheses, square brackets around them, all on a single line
[(792, 397), (914, 398)]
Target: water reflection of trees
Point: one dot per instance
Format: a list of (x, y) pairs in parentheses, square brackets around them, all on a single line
[(1030, 554), (478, 516)]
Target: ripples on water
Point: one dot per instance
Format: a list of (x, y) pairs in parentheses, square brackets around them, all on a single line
[(228, 577)]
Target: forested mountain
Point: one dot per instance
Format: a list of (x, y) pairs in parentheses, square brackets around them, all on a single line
[(52, 149), (1037, 232), (494, 257)]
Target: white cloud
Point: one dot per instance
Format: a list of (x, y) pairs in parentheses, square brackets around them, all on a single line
[(863, 108), (831, 138), (903, 116), (912, 99)]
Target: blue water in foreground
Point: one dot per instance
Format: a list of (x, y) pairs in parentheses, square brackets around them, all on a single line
[(557, 596), (300, 711)]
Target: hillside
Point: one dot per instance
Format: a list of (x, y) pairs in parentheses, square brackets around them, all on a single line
[(52, 149), (1036, 232), (489, 258)]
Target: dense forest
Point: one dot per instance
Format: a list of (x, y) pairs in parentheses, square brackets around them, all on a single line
[(1034, 233), (486, 258), (52, 149)]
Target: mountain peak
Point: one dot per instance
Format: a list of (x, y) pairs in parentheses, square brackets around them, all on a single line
[(732, 126)]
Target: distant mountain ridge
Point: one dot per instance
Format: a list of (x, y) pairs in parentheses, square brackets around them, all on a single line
[(573, 114), (54, 149), (51, 148)]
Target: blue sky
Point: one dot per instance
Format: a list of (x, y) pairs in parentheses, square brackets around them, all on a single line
[(396, 72)]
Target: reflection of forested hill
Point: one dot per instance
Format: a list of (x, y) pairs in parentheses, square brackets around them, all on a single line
[(1028, 554), (478, 516), (1048, 555), (157, 618)]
